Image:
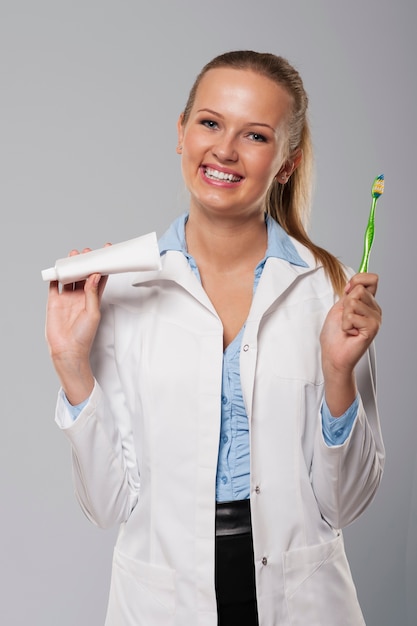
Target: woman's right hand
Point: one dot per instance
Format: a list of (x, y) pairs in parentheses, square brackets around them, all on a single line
[(73, 316)]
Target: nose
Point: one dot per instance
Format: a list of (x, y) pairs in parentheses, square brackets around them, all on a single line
[(225, 149)]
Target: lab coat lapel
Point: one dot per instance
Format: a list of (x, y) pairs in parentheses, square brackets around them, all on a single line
[(277, 277), (175, 268)]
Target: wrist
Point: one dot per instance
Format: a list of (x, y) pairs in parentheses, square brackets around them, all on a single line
[(76, 378), (340, 391)]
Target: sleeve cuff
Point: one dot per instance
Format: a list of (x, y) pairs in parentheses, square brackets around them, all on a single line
[(73, 410), (337, 429)]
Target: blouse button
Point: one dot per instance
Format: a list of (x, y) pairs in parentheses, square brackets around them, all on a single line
[(264, 561)]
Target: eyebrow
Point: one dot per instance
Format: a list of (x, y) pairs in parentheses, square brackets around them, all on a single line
[(248, 124)]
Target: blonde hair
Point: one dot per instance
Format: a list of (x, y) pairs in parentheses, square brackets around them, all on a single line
[(289, 203)]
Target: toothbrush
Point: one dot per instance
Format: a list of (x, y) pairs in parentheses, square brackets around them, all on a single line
[(377, 190)]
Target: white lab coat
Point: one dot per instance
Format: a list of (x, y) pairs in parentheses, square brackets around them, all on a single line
[(145, 449)]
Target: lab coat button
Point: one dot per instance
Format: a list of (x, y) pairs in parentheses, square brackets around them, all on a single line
[(245, 347), (264, 561), (257, 489)]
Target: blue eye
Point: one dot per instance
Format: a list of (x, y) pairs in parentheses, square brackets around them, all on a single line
[(257, 137), (209, 123)]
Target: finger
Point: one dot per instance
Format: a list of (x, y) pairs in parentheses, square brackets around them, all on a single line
[(98, 282), (93, 289), (102, 285), (68, 287), (79, 284), (362, 318), (362, 295), (364, 279), (361, 302), (359, 325), (362, 307), (53, 288), (71, 286), (361, 314), (362, 310)]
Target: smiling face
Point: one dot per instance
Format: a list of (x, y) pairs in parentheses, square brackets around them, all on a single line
[(234, 141)]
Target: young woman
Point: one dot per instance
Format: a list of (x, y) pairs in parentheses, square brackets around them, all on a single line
[(222, 410)]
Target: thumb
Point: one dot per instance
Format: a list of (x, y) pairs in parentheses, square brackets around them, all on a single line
[(93, 294)]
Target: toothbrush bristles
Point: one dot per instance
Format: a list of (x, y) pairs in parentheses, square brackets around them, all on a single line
[(378, 186)]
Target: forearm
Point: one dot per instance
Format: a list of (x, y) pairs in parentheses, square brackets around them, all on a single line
[(76, 378), (340, 390)]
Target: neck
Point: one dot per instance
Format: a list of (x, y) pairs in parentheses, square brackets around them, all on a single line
[(226, 243)]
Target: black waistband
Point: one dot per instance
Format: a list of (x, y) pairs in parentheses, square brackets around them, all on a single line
[(233, 518)]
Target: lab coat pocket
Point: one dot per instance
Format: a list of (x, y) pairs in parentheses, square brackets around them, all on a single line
[(319, 589), (140, 593)]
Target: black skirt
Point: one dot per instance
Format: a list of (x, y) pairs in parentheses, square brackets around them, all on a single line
[(235, 568)]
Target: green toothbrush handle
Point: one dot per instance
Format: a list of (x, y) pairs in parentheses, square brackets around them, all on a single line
[(369, 237)]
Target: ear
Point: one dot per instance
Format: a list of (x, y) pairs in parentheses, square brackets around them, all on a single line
[(289, 166), (296, 158), (180, 132)]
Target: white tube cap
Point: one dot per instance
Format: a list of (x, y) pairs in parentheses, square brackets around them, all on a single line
[(49, 274)]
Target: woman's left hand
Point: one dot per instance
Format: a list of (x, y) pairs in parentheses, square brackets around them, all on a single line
[(350, 327)]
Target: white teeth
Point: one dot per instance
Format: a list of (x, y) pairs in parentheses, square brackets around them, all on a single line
[(216, 175)]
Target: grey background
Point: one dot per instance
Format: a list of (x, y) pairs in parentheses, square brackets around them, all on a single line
[(90, 94)]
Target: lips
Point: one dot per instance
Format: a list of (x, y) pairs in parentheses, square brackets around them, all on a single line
[(220, 175)]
